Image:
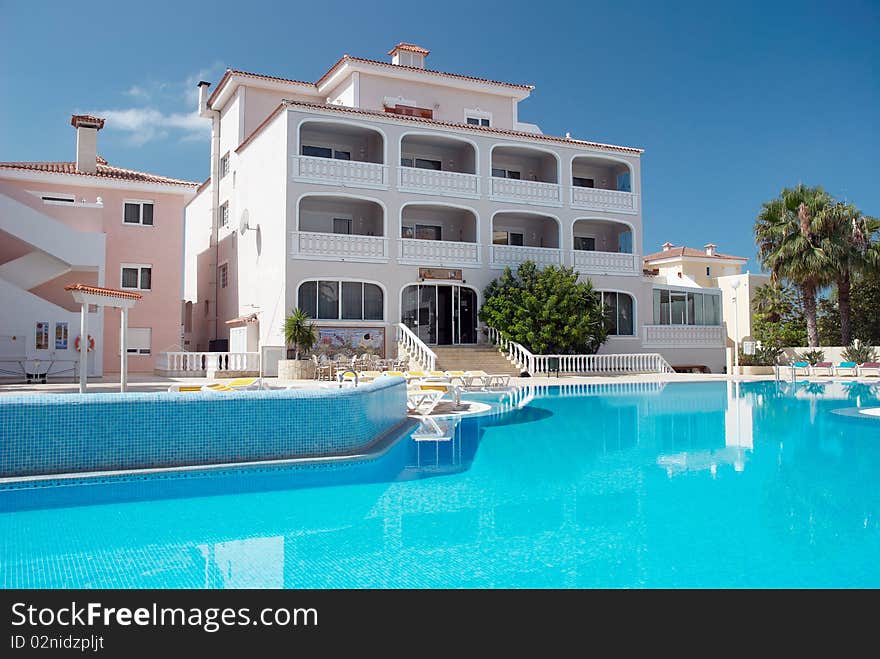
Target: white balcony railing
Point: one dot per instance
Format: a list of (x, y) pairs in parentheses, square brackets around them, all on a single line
[(439, 252), (340, 172), (351, 247), (199, 363), (429, 181), (514, 255), (411, 346), (604, 200), (684, 336), (605, 262), (531, 192)]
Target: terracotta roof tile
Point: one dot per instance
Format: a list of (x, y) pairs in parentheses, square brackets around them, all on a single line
[(677, 252), (411, 47), (105, 171), (76, 119), (109, 292), (430, 122), (259, 76)]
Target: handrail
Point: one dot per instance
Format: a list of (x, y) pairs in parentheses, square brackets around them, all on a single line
[(523, 358), (416, 348)]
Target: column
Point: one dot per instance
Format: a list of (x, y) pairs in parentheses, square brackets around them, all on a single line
[(83, 346), (123, 349)]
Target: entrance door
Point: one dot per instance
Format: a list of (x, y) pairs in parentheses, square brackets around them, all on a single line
[(440, 314)]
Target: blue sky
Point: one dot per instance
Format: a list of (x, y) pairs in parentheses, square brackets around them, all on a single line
[(731, 101)]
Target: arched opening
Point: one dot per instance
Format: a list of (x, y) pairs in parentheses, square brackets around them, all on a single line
[(341, 141), (440, 314), (438, 153), (599, 235), (524, 164), (438, 222), (520, 236), (620, 313), (600, 173), (333, 214)]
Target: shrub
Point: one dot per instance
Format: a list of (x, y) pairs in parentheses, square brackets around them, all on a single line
[(859, 352), (764, 356), (299, 333), (812, 356)]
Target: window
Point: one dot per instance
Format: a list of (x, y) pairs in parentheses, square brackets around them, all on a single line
[(478, 121), (407, 162), (507, 238), (41, 338), (421, 163), (580, 182), (708, 269), (505, 173), (224, 165), (345, 300), (623, 182), (325, 152), (138, 212), (136, 276), (686, 308), (428, 232), (224, 214), (138, 340), (61, 336), (223, 274), (474, 117), (58, 199), (585, 243), (342, 225), (619, 313)]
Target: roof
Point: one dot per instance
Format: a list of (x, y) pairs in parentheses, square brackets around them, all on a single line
[(431, 122), (104, 171), (249, 318), (411, 47), (678, 252), (108, 292), (259, 76), (77, 119)]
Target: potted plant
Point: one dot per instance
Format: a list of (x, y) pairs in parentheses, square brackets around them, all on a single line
[(761, 363), (301, 335)]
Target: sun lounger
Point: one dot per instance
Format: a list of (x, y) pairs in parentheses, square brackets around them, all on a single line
[(414, 375), (823, 368), (185, 388), (422, 402), (395, 374), (368, 376), (870, 368), (442, 384), (847, 368), (454, 375), (434, 430), (800, 368)]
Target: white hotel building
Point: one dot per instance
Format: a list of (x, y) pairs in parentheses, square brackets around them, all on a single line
[(387, 192)]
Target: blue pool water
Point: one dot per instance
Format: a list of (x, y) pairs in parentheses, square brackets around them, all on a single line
[(696, 485)]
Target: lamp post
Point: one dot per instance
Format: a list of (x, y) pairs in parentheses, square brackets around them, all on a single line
[(735, 285)]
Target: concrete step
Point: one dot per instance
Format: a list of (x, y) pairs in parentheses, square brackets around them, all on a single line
[(473, 358)]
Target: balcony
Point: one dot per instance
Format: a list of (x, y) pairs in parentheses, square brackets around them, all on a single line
[(519, 237), (331, 227), (603, 247), (331, 153), (438, 165), (513, 255), (525, 175), (683, 336), (437, 234), (604, 263), (602, 185), (443, 253)]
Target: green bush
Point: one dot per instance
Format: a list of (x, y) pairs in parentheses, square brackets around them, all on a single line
[(764, 356), (548, 311), (859, 352), (812, 356)]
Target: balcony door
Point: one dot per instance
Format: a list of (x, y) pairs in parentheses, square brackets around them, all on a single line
[(441, 314)]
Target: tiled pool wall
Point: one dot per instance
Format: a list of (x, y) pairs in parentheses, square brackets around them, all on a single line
[(64, 434)]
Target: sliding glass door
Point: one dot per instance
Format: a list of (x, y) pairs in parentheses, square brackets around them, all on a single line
[(440, 314)]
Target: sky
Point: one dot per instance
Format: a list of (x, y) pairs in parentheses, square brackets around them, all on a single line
[(732, 101)]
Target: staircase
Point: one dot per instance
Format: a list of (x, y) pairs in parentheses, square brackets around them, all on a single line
[(473, 358)]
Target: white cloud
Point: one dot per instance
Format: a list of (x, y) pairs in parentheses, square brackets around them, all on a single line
[(162, 118)]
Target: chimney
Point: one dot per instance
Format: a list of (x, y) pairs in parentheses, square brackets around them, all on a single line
[(667, 246), (409, 54), (710, 249), (87, 128), (203, 98)]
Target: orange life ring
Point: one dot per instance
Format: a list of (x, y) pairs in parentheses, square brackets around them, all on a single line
[(78, 342)]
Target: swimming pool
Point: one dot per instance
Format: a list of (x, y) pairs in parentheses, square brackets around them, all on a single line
[(682, 485)]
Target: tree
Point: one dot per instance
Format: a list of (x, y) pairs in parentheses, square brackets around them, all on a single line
[(788, 236), (548, 311), (848, 245), (778, 316), (865, 301), (299, 332), (773, 301)]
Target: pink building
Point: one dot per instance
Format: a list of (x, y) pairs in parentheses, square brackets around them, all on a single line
[(91, 222)]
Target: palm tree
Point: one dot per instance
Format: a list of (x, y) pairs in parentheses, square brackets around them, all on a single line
[(788, 236), (848, 241), (773, 301), (299, 332)]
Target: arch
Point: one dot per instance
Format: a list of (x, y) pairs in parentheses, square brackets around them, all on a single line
[(346, 195), (520, 211), (602, 156), (614, 220), (341, 278), (438, 203), (477, 294), (635, 319), (529, 147), (346, 122), (454, 137)]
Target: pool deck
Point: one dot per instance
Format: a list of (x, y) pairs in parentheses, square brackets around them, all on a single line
[(147, 382)]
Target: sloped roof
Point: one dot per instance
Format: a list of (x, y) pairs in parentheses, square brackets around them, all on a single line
[(677, 252), (105, 171)]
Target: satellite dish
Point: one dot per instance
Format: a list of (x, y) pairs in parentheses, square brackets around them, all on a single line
[(244, 222)]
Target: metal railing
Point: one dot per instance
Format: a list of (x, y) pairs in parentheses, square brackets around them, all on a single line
[(415, 348)]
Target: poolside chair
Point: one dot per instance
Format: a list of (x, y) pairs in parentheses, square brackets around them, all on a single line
[(434, 430), (800, 368), (185, 388), (368, 376), (414, 375), (455, 375), (870, 366), (847, 368), (437, 374), (827, 368), (238, 384), (436, 383), (394, 374), (422, 402)]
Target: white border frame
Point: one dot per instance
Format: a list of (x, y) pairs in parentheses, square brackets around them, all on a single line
[(347, 321), (141, 203), (138, 266)]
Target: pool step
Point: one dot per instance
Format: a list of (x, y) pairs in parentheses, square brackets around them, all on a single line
[(473, 358)]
